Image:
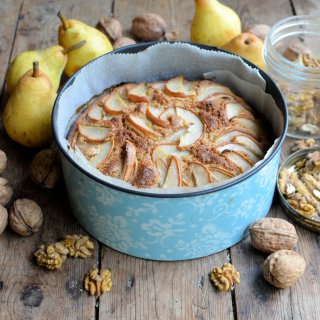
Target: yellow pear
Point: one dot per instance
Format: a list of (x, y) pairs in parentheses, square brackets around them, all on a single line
[(72, 31), (248, 46), (27, 114), (52, 60), (214, 23)]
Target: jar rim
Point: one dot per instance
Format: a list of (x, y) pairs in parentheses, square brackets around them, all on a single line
[(276, 60)]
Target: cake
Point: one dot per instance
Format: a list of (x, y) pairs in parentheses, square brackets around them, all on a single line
[(170, 133)]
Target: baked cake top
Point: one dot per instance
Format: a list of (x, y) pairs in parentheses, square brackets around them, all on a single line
[(170, 133)]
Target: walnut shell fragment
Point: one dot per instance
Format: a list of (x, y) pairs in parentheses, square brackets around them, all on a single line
[(111, 27), (45, 168), (97, 283), (283, 268), (3, 218), (225, 277), (6, 191), (272, 234), (78, 245), (122, 42), (3, 161), (25, 217), (149, 27), (51, 256)]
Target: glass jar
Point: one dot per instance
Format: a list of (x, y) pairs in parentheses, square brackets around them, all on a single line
[(291, 53)]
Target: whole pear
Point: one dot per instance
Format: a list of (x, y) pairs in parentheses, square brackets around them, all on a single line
[(248, 46), (27, 114), (52, 61), (73, 31), (214, 23)]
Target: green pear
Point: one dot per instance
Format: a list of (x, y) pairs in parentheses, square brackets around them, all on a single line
[(248, 46), (27, 114), (73, 31), (52, 60), (214, 23)]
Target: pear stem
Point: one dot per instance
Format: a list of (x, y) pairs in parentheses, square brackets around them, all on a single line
[(36, 70), (75, 46), (64, 20)]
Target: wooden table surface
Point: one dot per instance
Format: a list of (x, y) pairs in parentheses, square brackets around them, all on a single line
[(141, 289)]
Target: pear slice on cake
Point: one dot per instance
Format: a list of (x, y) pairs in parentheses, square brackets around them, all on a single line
[(162, 167), (153, 114), (114, 104), (138, 93), (164, 151), (93, 133), (195, 127), (129, 161), (102, 153), (236, 109), (219, 174), (239, 160), (173, 177), (207, 90), (230, 133), (179, 87), (95, 113), (200, 174), (233, 146), (250, 143), (159, 85), (143, 126), (247, 122)]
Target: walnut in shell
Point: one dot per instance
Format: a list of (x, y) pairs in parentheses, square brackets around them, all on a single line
[(122, 42), (45, 168), (3, 161), (3, 218), (25, 217), (283, 268), (6, 191), (272, 234), (149, 27), (111, 27)]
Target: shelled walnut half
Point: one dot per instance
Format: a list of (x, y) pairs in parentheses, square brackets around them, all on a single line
[(225, 278), (96, 282), (78, 245), (51, 255)]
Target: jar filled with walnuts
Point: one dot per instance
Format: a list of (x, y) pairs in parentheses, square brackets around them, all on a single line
[(292, 55)]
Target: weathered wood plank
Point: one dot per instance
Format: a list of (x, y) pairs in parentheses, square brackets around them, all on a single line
[(256, 12), (311, 7), (8, 16), (27, 291), (163, 290)]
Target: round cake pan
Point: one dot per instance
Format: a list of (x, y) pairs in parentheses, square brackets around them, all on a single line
[(166, 227)]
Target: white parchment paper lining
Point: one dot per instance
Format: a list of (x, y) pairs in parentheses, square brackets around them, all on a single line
[(161, 62)]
